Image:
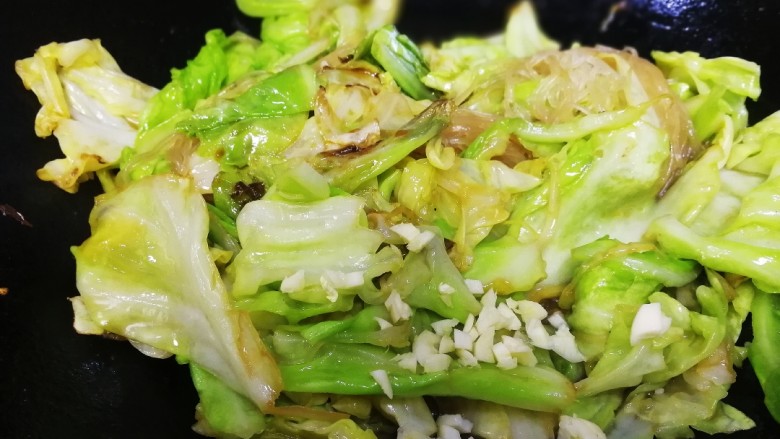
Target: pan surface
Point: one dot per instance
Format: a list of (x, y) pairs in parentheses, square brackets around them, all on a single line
[(55, 383)]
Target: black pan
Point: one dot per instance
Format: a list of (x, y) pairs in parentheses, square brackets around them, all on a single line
[(56, 384)]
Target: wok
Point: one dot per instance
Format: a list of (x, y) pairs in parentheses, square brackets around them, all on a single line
[(55, 383)]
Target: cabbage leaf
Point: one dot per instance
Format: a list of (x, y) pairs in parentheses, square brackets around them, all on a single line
[(146, 274), (71, 81)]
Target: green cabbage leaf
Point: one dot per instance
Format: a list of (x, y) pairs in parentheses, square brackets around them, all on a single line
[(146, 273)]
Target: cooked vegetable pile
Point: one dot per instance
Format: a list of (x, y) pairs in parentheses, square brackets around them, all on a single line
[(346, 234)]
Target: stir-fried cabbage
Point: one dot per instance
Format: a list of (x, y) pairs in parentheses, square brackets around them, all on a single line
[(346, 234), (88, 103), (147, 274)]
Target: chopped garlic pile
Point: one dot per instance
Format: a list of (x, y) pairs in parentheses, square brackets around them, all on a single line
[(503, 333)]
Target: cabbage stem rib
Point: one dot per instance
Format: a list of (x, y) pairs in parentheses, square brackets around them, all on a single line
[(346, 370)]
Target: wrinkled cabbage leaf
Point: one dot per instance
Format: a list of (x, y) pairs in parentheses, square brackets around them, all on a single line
[(146, 273)]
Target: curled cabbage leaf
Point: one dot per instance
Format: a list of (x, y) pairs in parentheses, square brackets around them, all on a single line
[(87, 102), (146, 274)]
